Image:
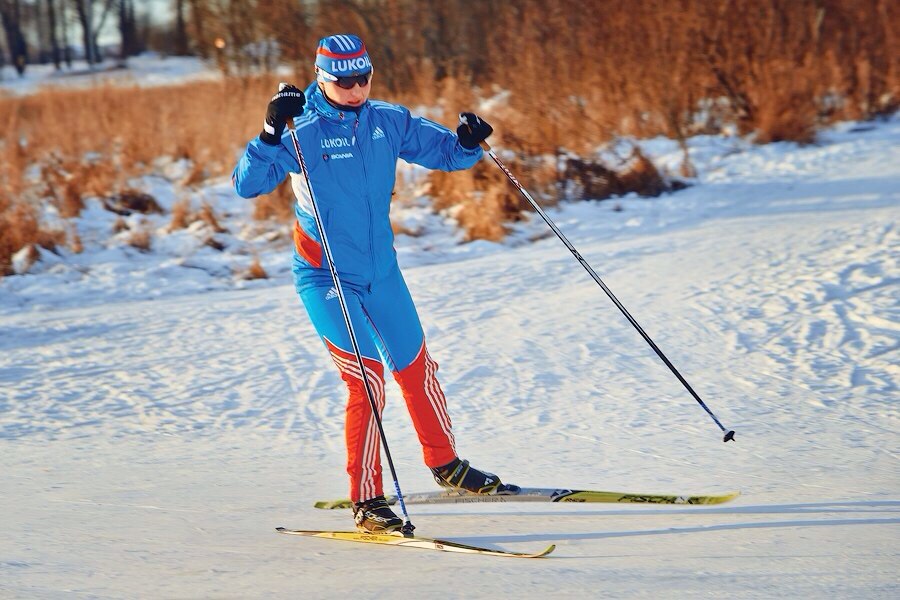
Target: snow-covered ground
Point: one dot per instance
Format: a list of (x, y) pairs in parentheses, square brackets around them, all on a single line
[(145, 70), (158, 419)]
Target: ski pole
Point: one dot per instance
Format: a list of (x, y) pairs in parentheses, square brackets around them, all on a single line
[(729, 434), (408, 527)]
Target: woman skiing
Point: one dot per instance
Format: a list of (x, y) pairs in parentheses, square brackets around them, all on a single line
[(351, 145)]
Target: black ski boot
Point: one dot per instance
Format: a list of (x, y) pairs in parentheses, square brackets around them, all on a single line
[(459, 475), (375, 516)]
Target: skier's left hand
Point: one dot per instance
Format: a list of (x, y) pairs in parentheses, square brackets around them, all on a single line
[(472, 130)]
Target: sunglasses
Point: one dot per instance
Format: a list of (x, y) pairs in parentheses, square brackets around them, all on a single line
[(348, 82)]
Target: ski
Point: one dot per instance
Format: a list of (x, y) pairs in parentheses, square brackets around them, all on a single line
[(543, 495), (398, 539)]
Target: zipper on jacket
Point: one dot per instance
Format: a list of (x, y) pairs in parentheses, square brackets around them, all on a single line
[(366, 199)]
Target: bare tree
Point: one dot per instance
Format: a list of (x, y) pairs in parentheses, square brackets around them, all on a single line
[(66, 47), (131, 43), (54, 39), (89, 29), (11, 16), (85, 10), (199, 17), (181, 37)]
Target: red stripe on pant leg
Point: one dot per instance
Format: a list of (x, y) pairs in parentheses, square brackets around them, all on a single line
[(360, 430), (428, 409)]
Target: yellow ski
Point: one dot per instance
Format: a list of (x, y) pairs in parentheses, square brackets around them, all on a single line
[(397, 539)]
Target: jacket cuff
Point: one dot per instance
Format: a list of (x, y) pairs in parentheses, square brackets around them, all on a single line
[(265, 149), (477, 151), (269, 139)]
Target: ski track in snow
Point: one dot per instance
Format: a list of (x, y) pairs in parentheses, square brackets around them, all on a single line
[(154, 444)]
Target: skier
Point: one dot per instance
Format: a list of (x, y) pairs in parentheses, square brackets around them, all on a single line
[(351, 145)]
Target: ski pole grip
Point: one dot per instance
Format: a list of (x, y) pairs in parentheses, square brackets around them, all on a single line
[(290, 123), (484, 145)]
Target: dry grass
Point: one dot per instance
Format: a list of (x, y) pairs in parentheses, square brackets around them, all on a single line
[(483, 201), (213, 243), (181, 214), (208, 216), (20, 226), (31, 256), (119, 225), (131, 201), (141, 239), (639, 175), (75, 243), (106, 136), (485, 217), (481, 198), (105, 143), (778, 69), (62, 188), (254, 271), (401, 229), (277, 206), (771, 63)]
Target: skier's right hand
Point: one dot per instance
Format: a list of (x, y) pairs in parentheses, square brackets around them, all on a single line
[(286, 104)]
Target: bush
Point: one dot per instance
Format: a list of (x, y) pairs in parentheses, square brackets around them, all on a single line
[(20, 226)]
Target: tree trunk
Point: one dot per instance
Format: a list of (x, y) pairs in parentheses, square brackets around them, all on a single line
[(128, 29), (84, 8), (198, 22), (66, 47), (40, 27), (54, 40), (99, 27), (18, 49), (181, 38)]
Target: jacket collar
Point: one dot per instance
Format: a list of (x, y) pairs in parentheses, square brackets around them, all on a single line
[(316, 100)]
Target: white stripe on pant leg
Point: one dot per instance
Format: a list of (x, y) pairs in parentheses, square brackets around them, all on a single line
[(352, 368), (367, 483), (367, 465), (434, 392), (373, 439), (434, 399), (346, 365), (370, 453), (368, 461), (367, 468), (363, 487), (370, 457), (437, 399), (364, 483)]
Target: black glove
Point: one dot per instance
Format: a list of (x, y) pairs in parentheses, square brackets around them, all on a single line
[(286, 104), (472, 130)]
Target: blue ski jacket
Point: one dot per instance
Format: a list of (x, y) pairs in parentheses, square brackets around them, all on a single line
[(351, 158)]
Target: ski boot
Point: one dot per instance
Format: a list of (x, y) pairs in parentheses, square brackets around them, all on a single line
[(375, 516), (459, 475)]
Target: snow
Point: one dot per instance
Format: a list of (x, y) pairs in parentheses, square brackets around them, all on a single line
[(160, 416), (145, 70)]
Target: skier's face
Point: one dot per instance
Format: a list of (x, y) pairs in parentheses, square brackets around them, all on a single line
[(355, 96)]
